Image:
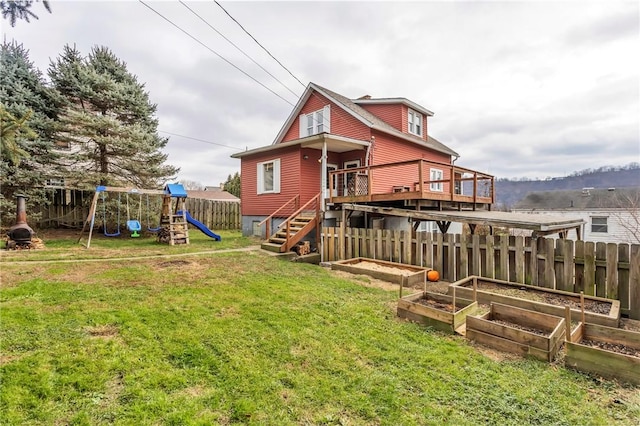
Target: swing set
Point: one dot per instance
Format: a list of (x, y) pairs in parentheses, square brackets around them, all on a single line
[(133, 223)]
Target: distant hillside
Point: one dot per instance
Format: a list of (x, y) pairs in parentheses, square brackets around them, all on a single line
[(510, 191)]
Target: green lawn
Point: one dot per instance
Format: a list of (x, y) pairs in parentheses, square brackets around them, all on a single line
[(241, 337)]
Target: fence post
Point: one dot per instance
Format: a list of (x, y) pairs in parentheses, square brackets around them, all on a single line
[(634, 282)]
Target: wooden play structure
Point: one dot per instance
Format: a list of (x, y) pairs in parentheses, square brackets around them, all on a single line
[(173, 226)]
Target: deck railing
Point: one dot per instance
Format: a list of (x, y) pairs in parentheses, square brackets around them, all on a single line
[(414, 179)]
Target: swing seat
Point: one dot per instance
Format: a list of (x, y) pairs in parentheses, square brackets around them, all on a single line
[(134, 226)]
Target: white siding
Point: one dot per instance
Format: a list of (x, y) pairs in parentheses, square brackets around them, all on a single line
[(620, 224)]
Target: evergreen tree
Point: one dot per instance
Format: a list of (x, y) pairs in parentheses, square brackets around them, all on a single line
[(19, 9), (28, 113), (109, 116), (232, 184)]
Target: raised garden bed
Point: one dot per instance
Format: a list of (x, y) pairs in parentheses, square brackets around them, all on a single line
[(605, 351), (399, 273), (436, 310), (598, 310), (516, 330)]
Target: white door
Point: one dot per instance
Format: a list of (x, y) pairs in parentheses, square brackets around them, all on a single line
[(333, 191), (350, 178)]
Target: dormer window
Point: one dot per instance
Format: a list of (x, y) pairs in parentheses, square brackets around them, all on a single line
[(315, 122), (415, 123)]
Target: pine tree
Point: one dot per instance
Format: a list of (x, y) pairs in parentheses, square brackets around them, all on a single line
[(232, 184), (109, 116), (28, 111), (20, 9)]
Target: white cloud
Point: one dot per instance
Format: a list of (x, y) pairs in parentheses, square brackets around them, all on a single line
[(519, 88)]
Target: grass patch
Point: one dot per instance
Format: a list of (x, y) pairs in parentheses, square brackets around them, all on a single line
[(101, 247), (241, 337)]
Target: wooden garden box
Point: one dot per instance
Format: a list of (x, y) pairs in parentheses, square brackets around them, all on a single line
[(416, 307), (601, 361), (506, 328), (392, 271), (464, 288)]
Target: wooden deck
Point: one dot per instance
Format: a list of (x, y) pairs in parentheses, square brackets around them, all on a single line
[(412, 182)]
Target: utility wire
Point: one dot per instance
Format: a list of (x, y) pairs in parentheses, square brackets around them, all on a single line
[(280, 63), (213, 51), (201, 140), (242, 51), (254, 39)]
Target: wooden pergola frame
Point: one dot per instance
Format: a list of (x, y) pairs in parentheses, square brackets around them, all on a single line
[(540, 224)]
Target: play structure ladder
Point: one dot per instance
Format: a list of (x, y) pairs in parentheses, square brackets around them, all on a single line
[(176, 221)]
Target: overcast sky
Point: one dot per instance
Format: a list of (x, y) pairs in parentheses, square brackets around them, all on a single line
[(519, 89)]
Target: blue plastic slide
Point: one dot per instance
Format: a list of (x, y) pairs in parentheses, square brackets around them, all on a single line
[(200, 226)]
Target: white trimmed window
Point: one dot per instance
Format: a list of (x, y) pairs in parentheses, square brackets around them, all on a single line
[(269, 177), (599, 224), (436, 174), (316, 122), (415, 123)]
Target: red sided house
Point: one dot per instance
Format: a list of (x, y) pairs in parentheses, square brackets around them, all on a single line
[(334, 152)]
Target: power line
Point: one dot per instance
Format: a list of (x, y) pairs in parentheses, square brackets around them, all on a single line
[(234, 45), (213, 51), (201, 140), (274, 58), (254, 39)]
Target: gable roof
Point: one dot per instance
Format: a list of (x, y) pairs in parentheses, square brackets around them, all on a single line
[(393, 101), (365, 117), (581, 199)]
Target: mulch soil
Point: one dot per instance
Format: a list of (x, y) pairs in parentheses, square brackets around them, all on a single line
[(447, 307), (542, 296), (613, 347), (521, 327)]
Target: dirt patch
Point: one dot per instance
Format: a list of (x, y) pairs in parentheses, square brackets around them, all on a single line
[(366, 280), (6, 359), (171, 263), (107, 331)]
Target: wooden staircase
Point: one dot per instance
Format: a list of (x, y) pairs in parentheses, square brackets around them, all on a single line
[(294, 228)]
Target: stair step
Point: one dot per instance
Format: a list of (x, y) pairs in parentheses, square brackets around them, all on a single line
[(283, 234), (277, 240), (271, 247), (298, 224)]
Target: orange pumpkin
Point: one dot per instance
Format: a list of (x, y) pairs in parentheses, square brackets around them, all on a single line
[(433, 275)]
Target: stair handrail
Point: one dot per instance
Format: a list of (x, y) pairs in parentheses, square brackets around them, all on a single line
[(267, 220), (301, 209), (287, 221)]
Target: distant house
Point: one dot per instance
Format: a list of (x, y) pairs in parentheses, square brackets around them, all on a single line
[(612, 215)]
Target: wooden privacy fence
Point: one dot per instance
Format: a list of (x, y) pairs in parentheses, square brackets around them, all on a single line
[(215, 214), (599, 269)]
